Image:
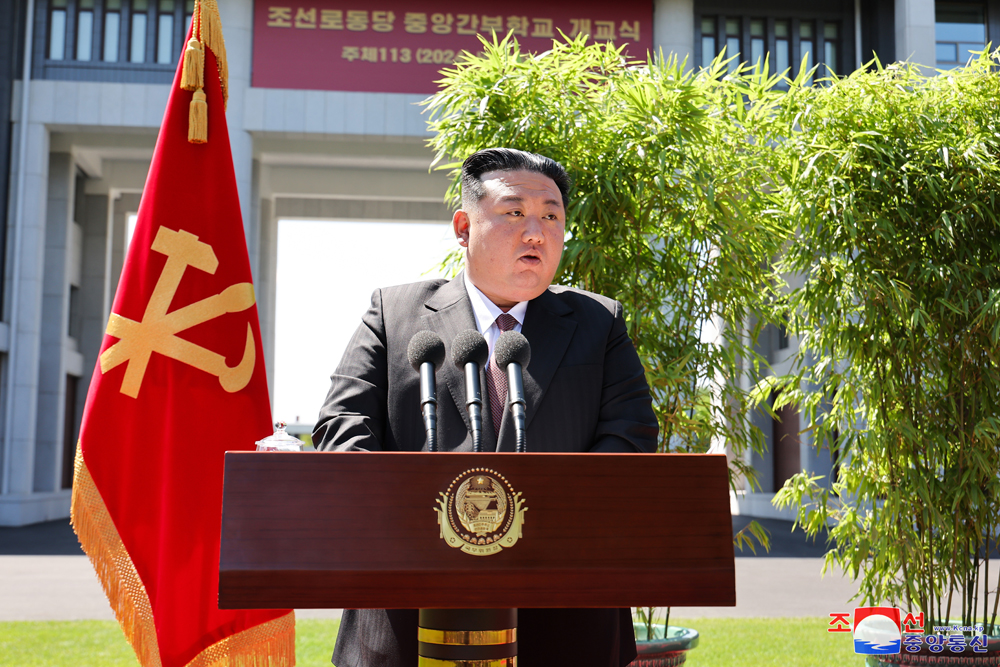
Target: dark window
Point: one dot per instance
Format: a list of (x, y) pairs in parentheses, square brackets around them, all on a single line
[(708, 47), (733, 43), (959, 31), (112, 30), (757, 48), (165, 33), (112, 40), (137, 50), (57, 30), (783, 336), (772, 35), (69, 430), (85, 29), (782, 46), (807, 51), (188, 13), (785, 444), (831, 38), (74, 321)]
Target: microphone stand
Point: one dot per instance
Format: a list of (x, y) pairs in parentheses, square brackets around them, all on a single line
[(428, 404), (515, 391), (474, 404)]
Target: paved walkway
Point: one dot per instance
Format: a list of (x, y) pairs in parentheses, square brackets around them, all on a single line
[(45, 576)]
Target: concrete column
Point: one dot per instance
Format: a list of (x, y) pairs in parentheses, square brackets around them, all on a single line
[(673, 28), (95, 266), (27, 320), (915, 32), (265, 285), (252, 225), (237, 26), (51, 375)]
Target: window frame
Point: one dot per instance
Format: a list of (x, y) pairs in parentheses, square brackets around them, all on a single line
[(840, 12), (991, 15), (97, 69)]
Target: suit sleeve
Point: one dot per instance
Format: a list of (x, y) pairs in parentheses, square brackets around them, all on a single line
[(354, 415), (626, 423)]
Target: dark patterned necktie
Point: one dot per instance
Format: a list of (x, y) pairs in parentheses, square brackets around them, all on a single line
[(496, 380)]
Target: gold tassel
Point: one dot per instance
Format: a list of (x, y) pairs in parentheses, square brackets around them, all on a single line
[(193, 73), (210, 31), (206, 33), (198, 118)]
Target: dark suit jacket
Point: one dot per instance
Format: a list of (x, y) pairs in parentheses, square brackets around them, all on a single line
[(585, 391)]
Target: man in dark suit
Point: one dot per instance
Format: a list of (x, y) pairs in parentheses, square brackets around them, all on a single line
[(584, 387)]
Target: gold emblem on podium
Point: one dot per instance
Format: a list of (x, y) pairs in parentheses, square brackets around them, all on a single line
[(480, 513)]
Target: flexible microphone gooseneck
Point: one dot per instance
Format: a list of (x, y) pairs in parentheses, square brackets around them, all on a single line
[(513, 352), (470, 352), (425, 353)]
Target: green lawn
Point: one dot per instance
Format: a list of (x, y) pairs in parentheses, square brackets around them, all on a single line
[(752, 642), (769, 642), (102, 644)]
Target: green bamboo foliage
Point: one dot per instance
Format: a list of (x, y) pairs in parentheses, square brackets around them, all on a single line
[(665, 213), (862, 212), (893, 183), (664, 186)]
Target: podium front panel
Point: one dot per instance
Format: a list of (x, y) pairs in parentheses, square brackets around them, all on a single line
[(489, 530)]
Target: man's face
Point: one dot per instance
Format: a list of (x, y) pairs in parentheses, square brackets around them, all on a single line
[(514, 236)]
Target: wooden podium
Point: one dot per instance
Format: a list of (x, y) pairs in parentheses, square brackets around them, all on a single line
[(361, 530)]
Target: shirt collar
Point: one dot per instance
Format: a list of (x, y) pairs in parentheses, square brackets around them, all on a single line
[(486, 311)]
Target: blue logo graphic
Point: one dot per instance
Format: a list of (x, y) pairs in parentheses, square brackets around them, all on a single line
[(865, 647)]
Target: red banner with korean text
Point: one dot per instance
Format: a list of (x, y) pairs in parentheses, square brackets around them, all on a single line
[(399, 47)]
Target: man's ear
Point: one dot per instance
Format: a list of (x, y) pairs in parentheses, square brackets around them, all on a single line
[(460, 223)]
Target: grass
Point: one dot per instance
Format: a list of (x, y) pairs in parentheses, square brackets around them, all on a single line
[(725, 642), (102, 644), (767, 642)]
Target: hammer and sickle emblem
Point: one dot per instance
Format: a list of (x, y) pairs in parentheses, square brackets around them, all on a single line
[(156, 332)]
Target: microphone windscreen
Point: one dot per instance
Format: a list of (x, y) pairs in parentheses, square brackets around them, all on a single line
[(469, 345), (425, 346), (511, 346)]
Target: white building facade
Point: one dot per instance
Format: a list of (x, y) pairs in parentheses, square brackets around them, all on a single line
[(83, 87)]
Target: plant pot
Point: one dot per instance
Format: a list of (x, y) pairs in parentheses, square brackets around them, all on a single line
[(660, 652), (945, 658)]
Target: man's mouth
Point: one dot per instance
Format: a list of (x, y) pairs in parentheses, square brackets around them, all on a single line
[(531, 257)]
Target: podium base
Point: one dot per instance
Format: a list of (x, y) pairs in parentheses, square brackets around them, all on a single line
[(467, 638)]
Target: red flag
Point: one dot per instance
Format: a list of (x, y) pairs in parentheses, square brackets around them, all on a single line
[(180, 380)]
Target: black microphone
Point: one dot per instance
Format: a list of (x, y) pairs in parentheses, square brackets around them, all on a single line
[(470, 352), (426, 352), (513, 352)]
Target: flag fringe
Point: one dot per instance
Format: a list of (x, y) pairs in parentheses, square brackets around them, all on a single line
[(270, 644), (102, 543)]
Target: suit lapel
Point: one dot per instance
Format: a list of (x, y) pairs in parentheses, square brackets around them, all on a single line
[(549, 333)]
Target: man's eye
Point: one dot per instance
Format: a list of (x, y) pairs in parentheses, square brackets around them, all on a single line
[(515, 213)]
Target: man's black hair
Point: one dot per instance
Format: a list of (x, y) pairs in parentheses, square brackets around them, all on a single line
[(509, 159)]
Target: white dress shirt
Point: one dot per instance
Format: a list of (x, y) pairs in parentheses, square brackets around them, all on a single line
[(487, 312)]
